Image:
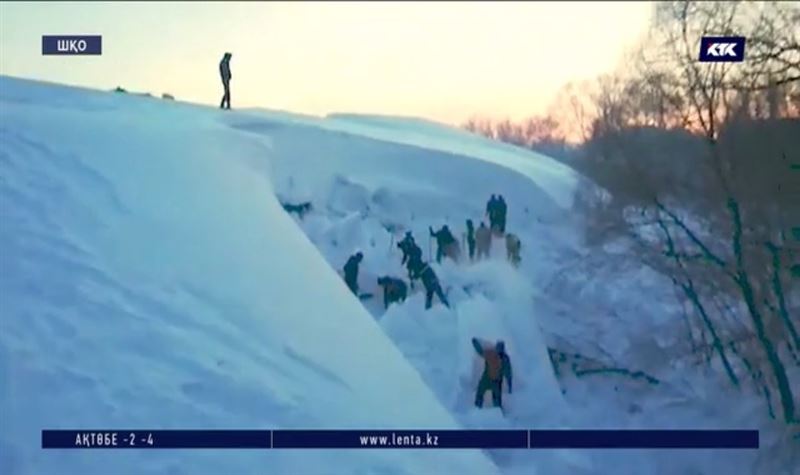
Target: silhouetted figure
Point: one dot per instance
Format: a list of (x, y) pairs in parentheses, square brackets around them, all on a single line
[(406, 245), (471, 239), (431, 283), (351, 271), (446, 244), (491, 212), (225, 74), (502, 210), (412, 254), (414, 263)]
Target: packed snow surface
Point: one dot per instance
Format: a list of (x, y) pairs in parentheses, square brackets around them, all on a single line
[(151, 279)]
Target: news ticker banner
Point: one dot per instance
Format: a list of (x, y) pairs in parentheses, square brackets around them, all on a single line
[(400, 439)]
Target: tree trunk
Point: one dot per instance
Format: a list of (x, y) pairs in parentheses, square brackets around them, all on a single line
[(746, 288), (778, 370), (777, 288)]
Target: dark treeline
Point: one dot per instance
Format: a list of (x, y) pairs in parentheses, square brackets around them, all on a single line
[(698, 167)]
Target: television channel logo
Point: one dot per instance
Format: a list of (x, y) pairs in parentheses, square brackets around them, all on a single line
[(722, 49)]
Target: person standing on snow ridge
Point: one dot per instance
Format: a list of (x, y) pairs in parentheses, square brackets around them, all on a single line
[(497, 366), (225, 74), (502, 211), (471, 239), (491, 211), (483, 241), (351, 272)]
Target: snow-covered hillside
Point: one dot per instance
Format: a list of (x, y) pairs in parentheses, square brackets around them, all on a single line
[(151, 279), (617, 323)]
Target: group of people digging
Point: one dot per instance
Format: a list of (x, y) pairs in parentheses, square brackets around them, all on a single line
[(478, 243), (497, 364)]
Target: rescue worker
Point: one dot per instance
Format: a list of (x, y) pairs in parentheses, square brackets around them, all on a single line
[(411, 253), (491, 211), (497, 367), (502, 211), (394, 290), (405, 246), (471, 239), (351, 271), (483, 241), (513, 246), (413, 263), (431, 283), (445, 242)]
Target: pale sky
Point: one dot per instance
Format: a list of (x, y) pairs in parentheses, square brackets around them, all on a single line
[(445, 61)]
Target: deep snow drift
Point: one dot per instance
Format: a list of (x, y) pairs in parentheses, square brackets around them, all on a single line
[(612, 326), (151, 279), (596, 315)]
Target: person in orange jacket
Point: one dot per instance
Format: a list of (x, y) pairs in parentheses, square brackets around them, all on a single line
[(497, 366)]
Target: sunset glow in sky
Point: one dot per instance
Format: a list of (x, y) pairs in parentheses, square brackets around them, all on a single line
[(444, 61)]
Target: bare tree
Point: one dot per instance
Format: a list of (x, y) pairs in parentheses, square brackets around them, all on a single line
[(721, 234), (572, 110)]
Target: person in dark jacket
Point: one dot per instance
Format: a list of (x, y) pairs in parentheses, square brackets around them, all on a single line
[(444, 239), (394, 290), (490, 205), (431, 283), (406, 245), (414, 263), (497, 366), (412, 254), (225, 74), (351, 271), (471, 239), (491, 212), (502, 211)]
